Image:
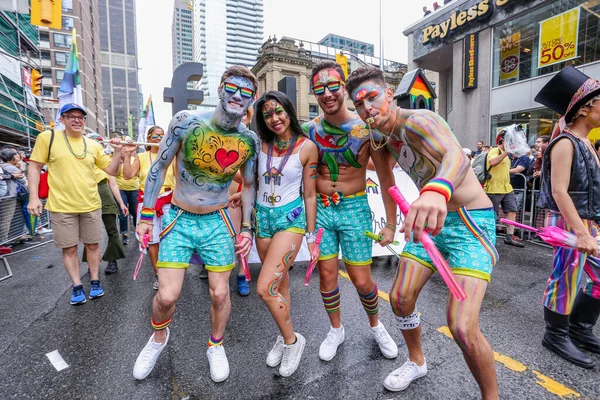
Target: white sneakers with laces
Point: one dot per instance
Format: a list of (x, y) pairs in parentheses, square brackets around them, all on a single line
[(291, 356), (217, 360), (403, 376), (147, 358), (384, 340), (276, 353), (328, 348)]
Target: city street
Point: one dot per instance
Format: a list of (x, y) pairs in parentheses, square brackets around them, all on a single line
[(101, 339)]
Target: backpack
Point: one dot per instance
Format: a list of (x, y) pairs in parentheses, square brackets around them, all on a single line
[(479, 165)]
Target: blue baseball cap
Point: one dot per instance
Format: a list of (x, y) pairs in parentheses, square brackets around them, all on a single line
[(72, 106)]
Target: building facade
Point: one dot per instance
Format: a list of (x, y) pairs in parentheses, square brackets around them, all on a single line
[(55, 45), (351, 45), (118, 44), (227, 32), (493, 57), (20, 118), (295, 58), (182, 32)]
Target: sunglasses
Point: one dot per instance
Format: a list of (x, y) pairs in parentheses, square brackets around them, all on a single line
[(155, 136), (232, 88), (333, 87)]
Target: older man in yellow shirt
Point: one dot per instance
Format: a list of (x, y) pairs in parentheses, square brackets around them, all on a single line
[(73, 201)]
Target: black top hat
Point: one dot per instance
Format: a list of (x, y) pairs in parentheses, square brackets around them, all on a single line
[(567, 91)]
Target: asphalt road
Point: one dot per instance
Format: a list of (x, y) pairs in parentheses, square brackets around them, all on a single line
[(101, 339)]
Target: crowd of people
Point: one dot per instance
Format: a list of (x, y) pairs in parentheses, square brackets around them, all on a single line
[(287, 181)]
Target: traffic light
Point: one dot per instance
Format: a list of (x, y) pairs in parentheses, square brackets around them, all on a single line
[(343, 61), (36, 82), (46, 13)]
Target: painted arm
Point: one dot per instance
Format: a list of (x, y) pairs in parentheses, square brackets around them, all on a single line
[(249, 188), (429, 131), (309, 182), (561, 158), (385, 173)]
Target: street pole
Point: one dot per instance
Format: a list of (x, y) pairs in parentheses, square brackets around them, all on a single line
[(106, 117), (380, 35)]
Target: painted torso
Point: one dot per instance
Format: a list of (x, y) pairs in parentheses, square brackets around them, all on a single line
[(416, 164), (208, 159), (343, 153)]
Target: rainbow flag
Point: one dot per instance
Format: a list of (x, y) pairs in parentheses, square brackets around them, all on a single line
[(70, 87), (146, 120)]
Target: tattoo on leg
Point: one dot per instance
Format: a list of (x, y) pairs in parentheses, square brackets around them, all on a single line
[(273, 285)]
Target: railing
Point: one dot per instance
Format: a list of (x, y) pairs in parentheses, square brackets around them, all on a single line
[(521, 195), (12, 220)]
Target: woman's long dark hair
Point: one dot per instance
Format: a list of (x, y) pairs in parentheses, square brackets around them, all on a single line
[(266, 135)]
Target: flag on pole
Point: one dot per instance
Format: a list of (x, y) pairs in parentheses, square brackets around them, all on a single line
[(146, 120), (70, 87), (130, 126)]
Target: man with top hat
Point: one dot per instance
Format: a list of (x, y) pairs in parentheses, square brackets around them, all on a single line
[(571, 191), (73, 200)]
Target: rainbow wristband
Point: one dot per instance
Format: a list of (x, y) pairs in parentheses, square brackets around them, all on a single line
[(147, 214), (441, 186)]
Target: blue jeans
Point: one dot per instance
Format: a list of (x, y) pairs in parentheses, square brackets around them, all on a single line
[(130, 200)]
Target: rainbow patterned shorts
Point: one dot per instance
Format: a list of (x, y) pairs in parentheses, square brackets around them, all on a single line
[(467, 242), (210, 235)]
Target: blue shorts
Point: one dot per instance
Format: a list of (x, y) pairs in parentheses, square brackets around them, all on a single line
[(270, 220), (344, 226), (467, 242), (210, 235)]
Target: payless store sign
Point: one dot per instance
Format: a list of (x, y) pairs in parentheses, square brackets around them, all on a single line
[(460, 18), (470, 46)]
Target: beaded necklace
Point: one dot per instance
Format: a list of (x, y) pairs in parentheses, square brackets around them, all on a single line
[(281, 146), (77, 156), (273, 175)]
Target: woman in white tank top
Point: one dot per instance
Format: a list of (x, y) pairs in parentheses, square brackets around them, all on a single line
[(286, 210)]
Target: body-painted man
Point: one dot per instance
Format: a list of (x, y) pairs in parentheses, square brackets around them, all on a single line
[(571, 191), (451, 198), (342, 206), (209, 149)]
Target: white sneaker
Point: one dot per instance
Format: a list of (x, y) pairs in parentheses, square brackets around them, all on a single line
[(403, 376), (291, 356), (274, 356), (219, 366), (384, 340), (147, 358), (328, 348)]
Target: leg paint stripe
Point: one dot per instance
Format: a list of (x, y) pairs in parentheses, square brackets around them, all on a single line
[(331, 300), (159, 326), (370, 301), (215, 342)]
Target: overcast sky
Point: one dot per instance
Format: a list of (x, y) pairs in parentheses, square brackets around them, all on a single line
[(308, 20)]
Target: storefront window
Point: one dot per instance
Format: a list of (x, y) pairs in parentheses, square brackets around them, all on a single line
[(516, 42), (536, 123)]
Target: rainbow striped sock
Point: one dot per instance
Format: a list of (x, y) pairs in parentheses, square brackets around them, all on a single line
[(215, 342), (331, 300), (159, 326), (370, 301)]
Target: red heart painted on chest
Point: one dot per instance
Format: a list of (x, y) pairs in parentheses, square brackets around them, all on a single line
[(226, 158)]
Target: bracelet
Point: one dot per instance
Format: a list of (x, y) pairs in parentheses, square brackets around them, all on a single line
[(247, 225), (142, 221), (310, 237), (441, 186), (247, 229), (390, 226), (147, 214)]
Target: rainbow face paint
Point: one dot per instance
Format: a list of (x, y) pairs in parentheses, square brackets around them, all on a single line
[(236, 95)]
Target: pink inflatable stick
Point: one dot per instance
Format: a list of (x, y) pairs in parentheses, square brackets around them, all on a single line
[(145, 241), (244, 261), (433, 252)]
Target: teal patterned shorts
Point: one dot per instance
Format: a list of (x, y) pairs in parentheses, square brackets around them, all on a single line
[(270, 220), (209, 235), (344, 226), (467, 242)]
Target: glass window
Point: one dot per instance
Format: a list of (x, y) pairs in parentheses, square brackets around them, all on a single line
[(60, 58), (536, 123), (61, 40), (67, 5), (517, 42), (59, 76), (45, 55), (67, 23)]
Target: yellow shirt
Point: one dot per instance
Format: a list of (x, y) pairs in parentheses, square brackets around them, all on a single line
[(99, 175), (146, 160), (73, 188), (127, 184), (500, 182)]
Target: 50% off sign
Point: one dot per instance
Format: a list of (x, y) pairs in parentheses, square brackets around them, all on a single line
[(558, 38)]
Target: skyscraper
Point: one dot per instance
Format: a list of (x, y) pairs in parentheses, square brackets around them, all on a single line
[(229, 32), (55, 45), (118, 44), (182, 32)]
